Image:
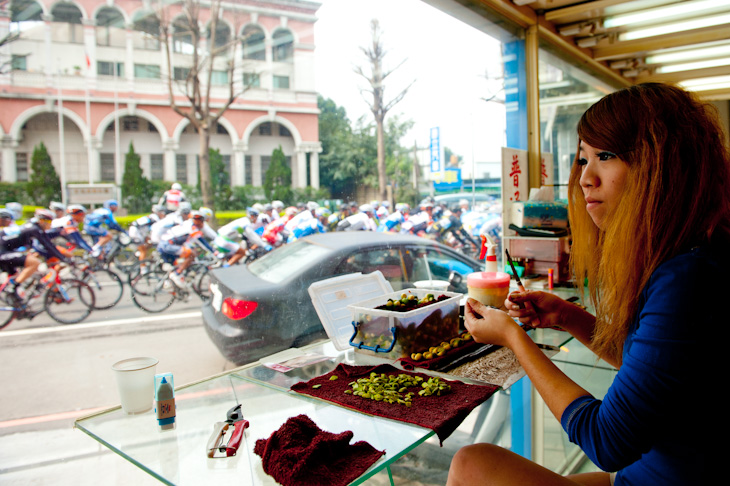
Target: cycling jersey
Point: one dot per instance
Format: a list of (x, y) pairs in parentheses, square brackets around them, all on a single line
[(158, 229), (69, 229), (28, 234), (228, 237), (139, 229), (95, 221), (180, 235), (391, 222), (357, 222), (171, 199)]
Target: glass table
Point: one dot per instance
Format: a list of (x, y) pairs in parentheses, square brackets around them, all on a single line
[(179, 456)]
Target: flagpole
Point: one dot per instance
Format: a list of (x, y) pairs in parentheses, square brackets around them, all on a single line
[(61, 145), (90, 149)]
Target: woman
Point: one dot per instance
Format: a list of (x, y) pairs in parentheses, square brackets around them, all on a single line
[(649, 210)]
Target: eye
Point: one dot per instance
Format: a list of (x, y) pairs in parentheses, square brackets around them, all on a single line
[(582, 161), (606, 155)]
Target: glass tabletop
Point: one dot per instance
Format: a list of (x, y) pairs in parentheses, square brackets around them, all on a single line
[(180, 456)]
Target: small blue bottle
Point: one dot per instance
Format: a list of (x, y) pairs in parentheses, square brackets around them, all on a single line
[(165, 401)]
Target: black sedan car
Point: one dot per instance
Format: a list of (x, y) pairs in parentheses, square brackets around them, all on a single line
[(264, 307)]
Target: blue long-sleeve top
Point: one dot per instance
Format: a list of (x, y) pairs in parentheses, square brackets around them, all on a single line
[(102, 216), (654, 425)]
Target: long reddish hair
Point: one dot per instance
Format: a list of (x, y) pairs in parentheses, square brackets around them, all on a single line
[(677, 196)]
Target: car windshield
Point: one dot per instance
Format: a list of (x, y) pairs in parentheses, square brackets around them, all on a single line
[(277, 266)]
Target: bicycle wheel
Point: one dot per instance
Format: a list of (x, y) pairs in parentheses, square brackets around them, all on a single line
[(108, 287), (125, 260), (69, 302), (7, 310), (201, 285), (153, 291)]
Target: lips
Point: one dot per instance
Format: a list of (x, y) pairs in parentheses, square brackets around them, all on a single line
[(592, 203)]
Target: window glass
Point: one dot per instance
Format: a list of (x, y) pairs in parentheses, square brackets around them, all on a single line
[(566, 92), (387, 260), (436, 264), (21, 166), (181, 168), (219, 77), (283, 45), (149, 71), (156, 167), (107, 168), (281, 82), (254, 43), (251, 80), (289, 261)]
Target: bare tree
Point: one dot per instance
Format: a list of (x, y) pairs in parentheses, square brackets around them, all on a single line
[(379, 107), (194, 81)]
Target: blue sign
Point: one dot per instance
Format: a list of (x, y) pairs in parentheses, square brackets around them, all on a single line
[(452, 180), (435, 150)]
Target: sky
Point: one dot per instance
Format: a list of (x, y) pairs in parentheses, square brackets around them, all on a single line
[(446, 60)]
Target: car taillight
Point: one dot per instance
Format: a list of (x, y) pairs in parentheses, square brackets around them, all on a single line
[(237, 309)]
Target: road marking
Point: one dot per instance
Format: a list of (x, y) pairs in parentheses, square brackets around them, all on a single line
[(92, 325)]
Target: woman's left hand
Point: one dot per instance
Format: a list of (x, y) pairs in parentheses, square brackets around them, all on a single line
[(488, 325)]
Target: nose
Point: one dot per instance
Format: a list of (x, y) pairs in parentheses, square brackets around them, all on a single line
[(588, 176)]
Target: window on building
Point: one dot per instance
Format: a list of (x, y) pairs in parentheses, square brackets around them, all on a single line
[(248, 166), (157, 167), (219, 78), (130, 124), (254, 43), (265, 129), (19, 63), (181, 168), (251, 80), (108, 68), (284, 132), (182, 38), (283, 45), (220, 129), (180, 73), (108, 173), (151, 128), (281, 82), (21, 166), (147, 71)]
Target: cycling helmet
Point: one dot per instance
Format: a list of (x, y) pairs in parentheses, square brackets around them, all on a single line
[(16, 208), (206, 212), (111, 202), (6, 214), (57, 206), (185, 207), (44, 214), (311, 205), (197, 215), (258, 207), (322, 212), (75, 209), (366, 208), (158, 208), (252, 211), (176, 187), (278, 205), (291, 211), (267, 207)]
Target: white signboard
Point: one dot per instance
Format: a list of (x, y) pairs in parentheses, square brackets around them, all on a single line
[(91, 193), (436, 155), (515, 184)]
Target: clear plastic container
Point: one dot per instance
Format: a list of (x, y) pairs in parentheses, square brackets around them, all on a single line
[(489, 288), (394, 334)]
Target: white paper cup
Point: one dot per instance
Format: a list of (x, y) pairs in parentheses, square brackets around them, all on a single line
[(136, 383), (441, 285)]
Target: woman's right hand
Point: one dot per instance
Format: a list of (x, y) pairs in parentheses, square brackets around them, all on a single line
[(538, 309)]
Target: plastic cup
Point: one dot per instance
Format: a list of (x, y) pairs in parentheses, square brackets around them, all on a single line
[(136, 383), (489, 288), (439, 285)]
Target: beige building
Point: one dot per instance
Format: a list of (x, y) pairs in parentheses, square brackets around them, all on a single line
[(87, 77)]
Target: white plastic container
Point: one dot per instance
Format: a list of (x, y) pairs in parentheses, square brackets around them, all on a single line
[(332, 297), (394, 334)]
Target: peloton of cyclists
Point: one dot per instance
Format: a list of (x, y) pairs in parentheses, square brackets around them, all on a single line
[(97, 222)]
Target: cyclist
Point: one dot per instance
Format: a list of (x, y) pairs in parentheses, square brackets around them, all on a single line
[(172, 198), (393, 221), (363, 220), (68, 226), (275, 232), (158, 229), (7, 219), (233, 238), (451, 223), (139, 230), (317, 224), (178, 243), (16, 208), (94, 225), (58, 208), (419, 222), (11, 258)]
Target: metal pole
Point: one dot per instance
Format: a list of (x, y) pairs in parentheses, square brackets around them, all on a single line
[(89, 151), (61, 145)]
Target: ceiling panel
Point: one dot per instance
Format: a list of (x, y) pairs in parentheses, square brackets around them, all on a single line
[(678, 41)]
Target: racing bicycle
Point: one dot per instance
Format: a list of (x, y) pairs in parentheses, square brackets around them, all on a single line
[(66, 300)]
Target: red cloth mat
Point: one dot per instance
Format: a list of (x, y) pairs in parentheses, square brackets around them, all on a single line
[(442, 414), (302, 454)]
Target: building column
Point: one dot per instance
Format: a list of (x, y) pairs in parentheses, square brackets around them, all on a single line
[(5, 48), (94, 155), (129, 59), (238, 165), (301, 173), (9, 172), (170, 166), (314, 169), (47, 38), (257, 178)]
